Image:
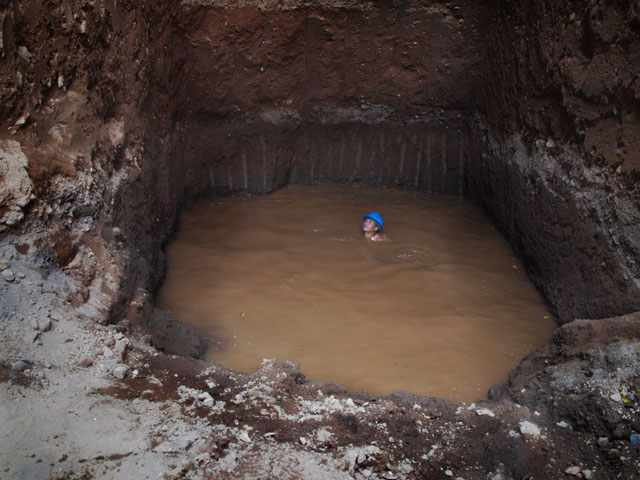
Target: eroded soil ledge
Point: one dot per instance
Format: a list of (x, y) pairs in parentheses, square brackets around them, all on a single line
[(114, 115)]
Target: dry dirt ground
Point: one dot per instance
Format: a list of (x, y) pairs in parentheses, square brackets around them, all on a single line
[(84, 400)]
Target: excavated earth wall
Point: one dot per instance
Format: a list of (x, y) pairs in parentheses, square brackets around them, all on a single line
[(115, 115), (559, 161)]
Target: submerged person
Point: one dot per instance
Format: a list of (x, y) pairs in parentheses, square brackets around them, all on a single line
[(372, 227)]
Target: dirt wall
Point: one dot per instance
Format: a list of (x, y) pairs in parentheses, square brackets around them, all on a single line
[(557, 158)]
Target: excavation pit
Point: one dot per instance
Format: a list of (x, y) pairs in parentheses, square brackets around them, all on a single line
[(118, 115), (444, 309)]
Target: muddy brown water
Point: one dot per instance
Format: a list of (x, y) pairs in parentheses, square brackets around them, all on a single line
[(444, 309)]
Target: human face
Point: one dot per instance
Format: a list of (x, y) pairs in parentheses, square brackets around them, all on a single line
[(368, 225)]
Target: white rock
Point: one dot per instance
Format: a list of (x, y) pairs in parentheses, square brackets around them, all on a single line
[(210, 383), (107, 352), (448, 473), (120, 372), (588, 474), (244, 436), (17, 187), (616, 397), (562, 424), (575, 470), (485, 411), (528, 428), (303, 440), (8, 275)]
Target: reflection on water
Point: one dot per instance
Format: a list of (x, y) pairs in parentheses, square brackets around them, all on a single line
[(443, 310)]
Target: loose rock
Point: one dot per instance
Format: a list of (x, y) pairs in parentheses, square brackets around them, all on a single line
[(107, 352), (120, 371), (85, 362), (574, 470), (8, 275), (530, 429), (45, 325), (20, 365)]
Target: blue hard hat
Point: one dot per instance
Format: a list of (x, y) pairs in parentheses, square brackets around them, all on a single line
[(376, 217)]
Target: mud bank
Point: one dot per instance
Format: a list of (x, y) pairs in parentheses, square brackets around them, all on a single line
[(116, 115)]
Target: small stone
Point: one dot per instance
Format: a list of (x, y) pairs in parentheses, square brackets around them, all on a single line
[(562, 424), (603, 442), (34, 324), (530, 429), (614, 454), (8, 275), (85, 362), (120, 372), (110, 342), (24, 52), (574, 470), (303, 440), (20, 365), (107, 352), (210, 383), (616, 397), (47, 365), (244, 436), (45, 325), (60, 81), (448, 473), (588, 474), (485, 411), (389, 476), (4, 265)]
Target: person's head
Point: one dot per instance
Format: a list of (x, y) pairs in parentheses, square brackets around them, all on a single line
[(372, 222)]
